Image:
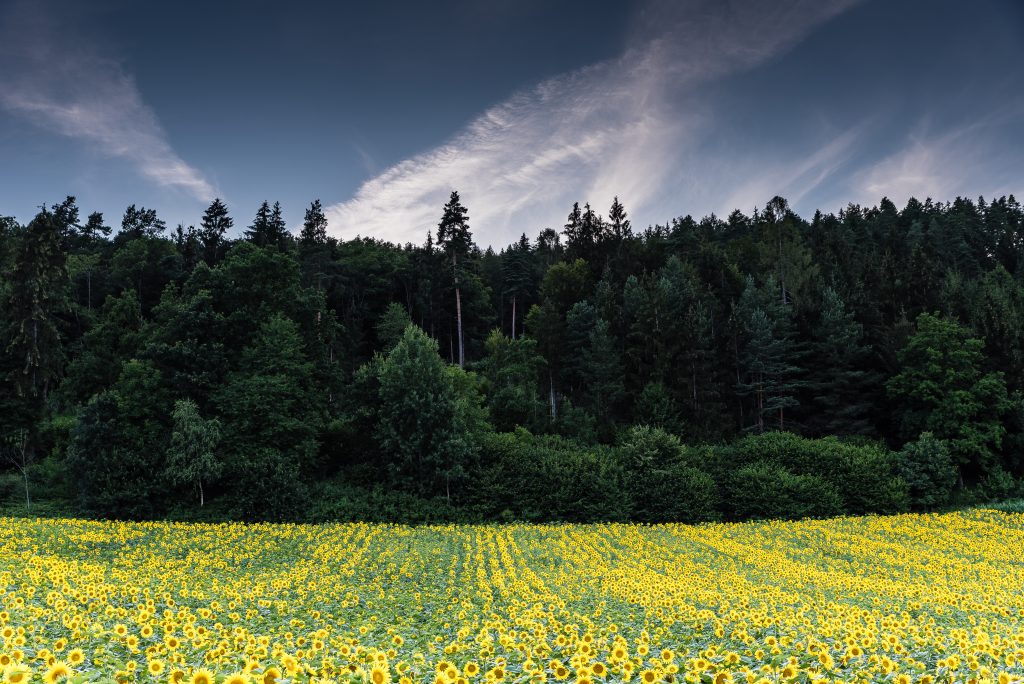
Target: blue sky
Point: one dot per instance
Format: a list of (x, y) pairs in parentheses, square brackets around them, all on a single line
[(524, 106)]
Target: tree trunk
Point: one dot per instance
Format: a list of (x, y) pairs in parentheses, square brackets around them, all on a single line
[(458, 325), (554, 404), (513, 317), (458, 309), (28, 500)]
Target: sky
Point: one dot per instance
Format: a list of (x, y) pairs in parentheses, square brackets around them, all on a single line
[(381, 109)]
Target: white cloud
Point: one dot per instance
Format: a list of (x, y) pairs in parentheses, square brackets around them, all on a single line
[(795, 180), (612, 128), (55, 83), (957, 161)]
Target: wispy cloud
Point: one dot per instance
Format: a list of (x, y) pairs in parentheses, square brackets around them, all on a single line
[(57, 83), (626, 126), (796, 179), (956, 160)]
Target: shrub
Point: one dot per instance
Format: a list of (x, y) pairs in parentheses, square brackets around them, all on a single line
[(864, 474), (548, 478), (663, 485), (765, 490), (927, 467)]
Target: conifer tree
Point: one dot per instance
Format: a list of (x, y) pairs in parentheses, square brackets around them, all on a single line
[(842, 378), (455, 239), (141, 222), (216, 222)]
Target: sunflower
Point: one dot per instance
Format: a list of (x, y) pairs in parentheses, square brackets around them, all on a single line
[(156, 667), (176, 676), (648, 676), (379, 675), (599, 669), (16, 674), (59, 670), (236, 678), (76, 656), (270, 676), (471, 669), (201, 677)]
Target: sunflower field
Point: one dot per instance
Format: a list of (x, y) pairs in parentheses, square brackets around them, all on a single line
[(910, 599)]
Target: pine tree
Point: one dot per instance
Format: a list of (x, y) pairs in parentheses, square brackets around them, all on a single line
[(259, 232), (278, 228), (313, 246), (604, 376), (141, 222), (767, 355), (618, 224), (518, 275), (216, 222), (455, 239), (94, 227), (39, 295), (841, 381), (314, 226)]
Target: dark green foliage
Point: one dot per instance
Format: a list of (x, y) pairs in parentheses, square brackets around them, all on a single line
[(548, 478), (510, 372), (656, 407), (765, 490), (943, 388), (391, 326), (423, 425), (141, 222), (766, 356), (926, 465), (663, 485), (271, 422), (842, 376), (268, 228), (784, 346), (865, 474), (111, 460), (215, 224)]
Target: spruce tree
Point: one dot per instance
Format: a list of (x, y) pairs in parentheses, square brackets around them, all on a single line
[(216, 222), (259, 232), (842, 380), (518, 275), (313, 246), (767, 356), (455, 239)]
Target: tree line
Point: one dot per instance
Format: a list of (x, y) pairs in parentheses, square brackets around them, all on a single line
[(868, 360)]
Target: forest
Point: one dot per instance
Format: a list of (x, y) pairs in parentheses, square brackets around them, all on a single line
[(753, 366)]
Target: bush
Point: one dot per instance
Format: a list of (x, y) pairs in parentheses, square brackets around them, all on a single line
[(765, 490), (335, 501), (997, 485), (663, 485), (864, 474), (678, 493), (548, 479), (927, 467)]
